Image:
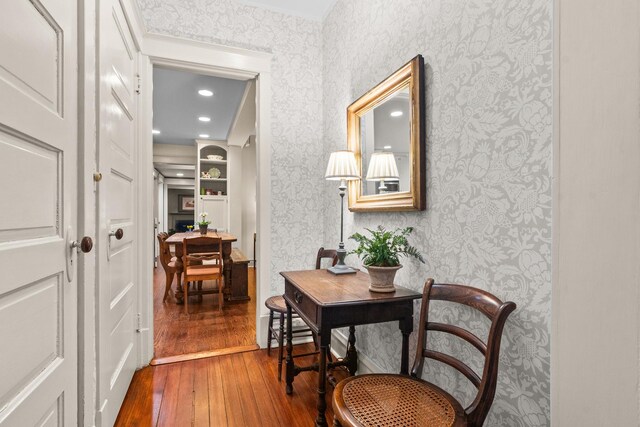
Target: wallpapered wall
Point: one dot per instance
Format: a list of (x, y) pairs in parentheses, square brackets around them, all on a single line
[(489, 100), (296, 75), (488, 217)]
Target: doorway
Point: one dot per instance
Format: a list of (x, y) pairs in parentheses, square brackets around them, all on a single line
[(204, 158)]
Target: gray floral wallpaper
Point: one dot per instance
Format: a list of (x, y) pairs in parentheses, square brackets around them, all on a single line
[(488, 217), (296, 45), (489, 113)]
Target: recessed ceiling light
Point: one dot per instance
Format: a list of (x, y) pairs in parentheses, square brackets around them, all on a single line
[(155, 132), (396, 113), (205, 92), (387, 147), (204, 119), (204, 135), (179, 174)]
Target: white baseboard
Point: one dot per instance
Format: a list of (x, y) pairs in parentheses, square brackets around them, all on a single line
[(339, 349)]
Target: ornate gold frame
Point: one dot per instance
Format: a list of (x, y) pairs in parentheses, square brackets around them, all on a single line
[(412, 75)]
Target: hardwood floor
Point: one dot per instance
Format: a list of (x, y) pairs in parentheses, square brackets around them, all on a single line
[(232, 390), (204, 329)]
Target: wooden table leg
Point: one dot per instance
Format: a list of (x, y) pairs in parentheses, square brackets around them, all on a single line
[(325, 340), (406, 327), (352, 354), (290, 368)]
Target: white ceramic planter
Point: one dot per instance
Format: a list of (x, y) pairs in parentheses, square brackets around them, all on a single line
[(382, 278)]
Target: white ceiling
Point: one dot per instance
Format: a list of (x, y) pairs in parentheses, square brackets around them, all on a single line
[(315, 10), (177, 106)]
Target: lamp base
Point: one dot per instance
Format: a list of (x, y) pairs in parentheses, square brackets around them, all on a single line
[(342, 269)]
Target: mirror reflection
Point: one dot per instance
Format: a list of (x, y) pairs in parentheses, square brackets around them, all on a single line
[(385, 143)]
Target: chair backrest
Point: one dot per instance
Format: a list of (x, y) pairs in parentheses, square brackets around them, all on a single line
[(491, 307), (198, 249), (165, 253), (326, 253)]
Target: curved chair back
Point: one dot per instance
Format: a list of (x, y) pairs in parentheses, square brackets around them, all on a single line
[(165, 253), (492, 308), (326, 253)]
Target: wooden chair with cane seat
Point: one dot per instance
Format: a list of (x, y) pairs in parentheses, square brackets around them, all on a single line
[(403, 400), (168, 263), (202, 260), (276, 304)]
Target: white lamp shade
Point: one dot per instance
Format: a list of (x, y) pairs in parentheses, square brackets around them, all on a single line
[(382, 167), (342, 165)]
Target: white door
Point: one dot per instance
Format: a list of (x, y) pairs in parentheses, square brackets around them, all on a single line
[(117, 284), (38, 172)]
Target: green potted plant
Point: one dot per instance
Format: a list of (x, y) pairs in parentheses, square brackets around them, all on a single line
[(203, 223), (380, 254)]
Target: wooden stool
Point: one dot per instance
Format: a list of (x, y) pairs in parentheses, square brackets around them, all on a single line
[(276, 304)]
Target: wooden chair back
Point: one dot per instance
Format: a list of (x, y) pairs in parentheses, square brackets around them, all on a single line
[(326, 253), (165, 253), (195, 250), (492, 308)]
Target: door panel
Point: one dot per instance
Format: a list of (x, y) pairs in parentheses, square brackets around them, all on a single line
[(116, 159), (38, 164)]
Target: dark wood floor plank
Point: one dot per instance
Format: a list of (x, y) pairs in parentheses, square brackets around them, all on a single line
[(250, 411), (158, 386), (170, 397), (217, 409), (260, 388), (232, 407), (184, 409), (201, 394)]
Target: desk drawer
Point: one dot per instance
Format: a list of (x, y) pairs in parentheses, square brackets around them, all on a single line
[(302, 303)]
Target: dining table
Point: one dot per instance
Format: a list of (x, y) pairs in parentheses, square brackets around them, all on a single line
[(175, 242)]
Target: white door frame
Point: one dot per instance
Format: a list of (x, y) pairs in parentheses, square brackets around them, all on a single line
[(184, 54), (220, 61)]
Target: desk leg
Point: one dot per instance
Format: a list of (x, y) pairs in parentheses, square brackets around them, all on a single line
[(289, 372), (406, 327), (325, 340), (352, 354)]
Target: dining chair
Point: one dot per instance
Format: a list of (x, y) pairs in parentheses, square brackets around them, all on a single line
[(276, 304), (202, 260), (391, 399), (168, 263)]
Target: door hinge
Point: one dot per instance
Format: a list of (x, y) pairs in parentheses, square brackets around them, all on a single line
[(140, 328), (139, 84)]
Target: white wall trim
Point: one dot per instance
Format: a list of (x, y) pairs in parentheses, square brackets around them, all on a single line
[(222, 61), (339, 349)]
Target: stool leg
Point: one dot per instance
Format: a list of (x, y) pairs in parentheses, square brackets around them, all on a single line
[(280, 346), (270, 332)]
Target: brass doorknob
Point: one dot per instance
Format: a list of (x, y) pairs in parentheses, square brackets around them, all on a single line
[(118, 233), (85, 245)]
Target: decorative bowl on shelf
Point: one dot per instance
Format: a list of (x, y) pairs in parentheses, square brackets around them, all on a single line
[(214, 172), (214, 157)]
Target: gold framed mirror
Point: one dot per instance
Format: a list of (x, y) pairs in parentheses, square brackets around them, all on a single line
[(386, 131)]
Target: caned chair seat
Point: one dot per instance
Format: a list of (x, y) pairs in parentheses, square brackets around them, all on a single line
[(396, 400), (276, 303), (403, 400)]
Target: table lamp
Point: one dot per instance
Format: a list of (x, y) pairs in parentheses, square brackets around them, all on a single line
[(382, 167), (342, 167)]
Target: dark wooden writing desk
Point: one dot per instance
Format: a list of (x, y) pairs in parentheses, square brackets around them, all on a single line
[(326, 301)]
